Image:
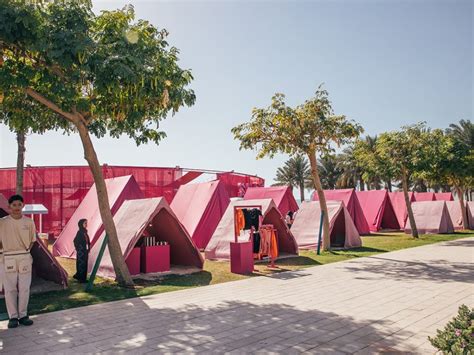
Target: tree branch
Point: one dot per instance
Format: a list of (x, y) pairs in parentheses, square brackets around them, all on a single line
[(51, 105)]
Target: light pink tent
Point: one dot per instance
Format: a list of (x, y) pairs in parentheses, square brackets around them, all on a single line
[(470, 214), (281, 195), (200, 207), (219, 245), (399, 206), (455, 213), (155, 216), (4, 209), (378, 210), (349, 197), (431, 217), (424, 196), (119, 189), (444, 196), (343, 232)]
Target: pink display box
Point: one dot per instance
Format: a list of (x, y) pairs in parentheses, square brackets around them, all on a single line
[(155, 258), (133, 261), (241, 257)]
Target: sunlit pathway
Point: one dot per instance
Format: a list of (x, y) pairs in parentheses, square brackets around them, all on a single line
[(389, 302)]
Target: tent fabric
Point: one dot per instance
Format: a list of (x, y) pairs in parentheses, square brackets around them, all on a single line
[(470, 214), (424, 196), (281, 195), (200, 207), (349, 197), (236, 184), (119, 189), (219, 245), (155, 215), (46, 266), (431, 217), (378, 210), (305, 228), (4, 208), (399, 206), (455, 213), (444, 196)]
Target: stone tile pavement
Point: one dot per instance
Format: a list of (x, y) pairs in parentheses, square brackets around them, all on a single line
[(385, 303)]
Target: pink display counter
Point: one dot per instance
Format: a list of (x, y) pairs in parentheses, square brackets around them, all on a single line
[(133, 261), (155, 259), (241, 257)]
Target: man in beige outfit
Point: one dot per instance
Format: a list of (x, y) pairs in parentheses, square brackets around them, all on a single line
[(17, 235)]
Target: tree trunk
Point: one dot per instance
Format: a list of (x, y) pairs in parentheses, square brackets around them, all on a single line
[(465, 224), (389, 185), (414, 230), (362, 183), (121, 270), (301, 192), (322, 200), (20, 161)]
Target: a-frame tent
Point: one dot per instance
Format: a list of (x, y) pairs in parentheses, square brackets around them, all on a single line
[(281, 195), (399, 206), (455, 213), (3, 206), (470, 213), (200, 207), (378, 210), (431, 217), (424, 196)]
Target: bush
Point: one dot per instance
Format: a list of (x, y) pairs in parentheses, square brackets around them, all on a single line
[(458, 335)]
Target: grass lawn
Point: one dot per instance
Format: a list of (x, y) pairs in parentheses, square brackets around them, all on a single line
[(218, 272)]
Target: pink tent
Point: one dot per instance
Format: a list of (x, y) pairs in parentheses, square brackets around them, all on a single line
[(455, 213), (45, 265), (156, 217), (424, 196), (281, 195), (399, 206), (119, 189), (219, 245), (3, 206), (349, 197), (470, 214), (444, 196), (378, 210), (200, 207), (431, 217), (342, 229)]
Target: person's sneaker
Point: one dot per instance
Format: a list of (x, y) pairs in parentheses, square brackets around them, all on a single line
[(25, 321), (13, 323)]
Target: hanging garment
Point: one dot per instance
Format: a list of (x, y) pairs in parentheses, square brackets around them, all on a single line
[(274, 245), (239, 221), (256, 243), (254, 215), (265, 241)]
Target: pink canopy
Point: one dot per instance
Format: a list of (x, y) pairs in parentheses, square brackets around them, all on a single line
[(424, 196), (399, 206), (431, 217), (455, 213), (378, 210), (4, 209), (444, 196), (119, 189), (342, 229), (349, 197), (219, 245), (470, 213), (154, 215), (281, 195), (200, 207)]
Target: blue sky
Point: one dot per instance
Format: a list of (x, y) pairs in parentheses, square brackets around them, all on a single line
[(385, 64)]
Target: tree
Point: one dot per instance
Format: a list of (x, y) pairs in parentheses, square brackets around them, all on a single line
[(329, 171), (351, 172), (310, 129), (100, 74), (294, 173), (406, 153)]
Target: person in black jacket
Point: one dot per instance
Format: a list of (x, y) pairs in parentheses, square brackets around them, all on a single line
[(82, 245)]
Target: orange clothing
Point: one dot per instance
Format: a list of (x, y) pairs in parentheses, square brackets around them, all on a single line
[(239, 221)]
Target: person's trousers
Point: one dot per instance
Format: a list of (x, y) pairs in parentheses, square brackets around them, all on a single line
[(2, 271), (17, 282)]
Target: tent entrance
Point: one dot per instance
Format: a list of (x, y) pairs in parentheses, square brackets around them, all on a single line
[(338, 233), (285, 245), (389, 218)]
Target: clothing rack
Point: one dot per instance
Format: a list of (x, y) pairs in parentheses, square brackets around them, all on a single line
[(242, 208), (273, 229)]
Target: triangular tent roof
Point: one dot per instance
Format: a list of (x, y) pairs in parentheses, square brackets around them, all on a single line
[(119, 189), (424, 196), (131, 220), (219, 245), (470, 213), (281, 195), (444, 196), (200, 207), (455, 213), (431, 217), (378, 210), (46, 266), (3, 206), (399, 206), (305, 228), (349, 197)]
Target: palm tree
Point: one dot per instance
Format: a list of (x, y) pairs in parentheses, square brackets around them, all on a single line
[(329, 171), (295, 173), (350, 171), (464, 131)]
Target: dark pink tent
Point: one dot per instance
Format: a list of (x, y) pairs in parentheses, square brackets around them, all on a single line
[(470, 214), (155, 216), (444, 196), (119, 189), (349, 197), (219, 245), (431, 217), (45, 265), (399, 206), (378, 210), (455, 213), (200, 207), (281, 195), (424, 196), (343, 232), (3, 206)]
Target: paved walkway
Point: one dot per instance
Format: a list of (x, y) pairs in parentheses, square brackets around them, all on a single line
[(389, 302)]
